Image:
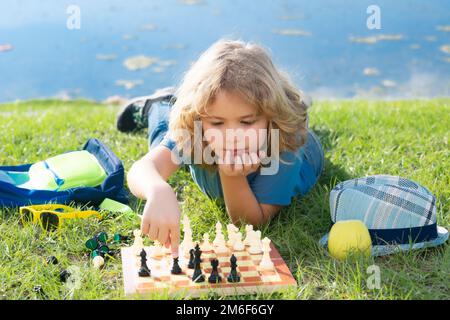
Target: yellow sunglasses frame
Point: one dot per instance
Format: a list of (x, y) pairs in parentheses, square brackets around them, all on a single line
[(68, 213)]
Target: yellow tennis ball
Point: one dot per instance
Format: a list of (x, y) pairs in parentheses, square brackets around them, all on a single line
[(349, 236)]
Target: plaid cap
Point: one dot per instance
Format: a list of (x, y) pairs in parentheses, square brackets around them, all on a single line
[(396, 211)]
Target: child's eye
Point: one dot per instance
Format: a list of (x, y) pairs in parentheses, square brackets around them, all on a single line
[(216, 123), (247, 122)]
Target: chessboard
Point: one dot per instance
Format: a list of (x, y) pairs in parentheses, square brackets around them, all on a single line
[(253, 279)]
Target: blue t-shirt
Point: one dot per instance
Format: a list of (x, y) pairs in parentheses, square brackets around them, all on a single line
[(296, 176)]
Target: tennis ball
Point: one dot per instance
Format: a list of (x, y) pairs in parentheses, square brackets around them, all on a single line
[(349, 236)]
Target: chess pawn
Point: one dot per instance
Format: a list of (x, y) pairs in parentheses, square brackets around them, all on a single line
[(138, 243), (220, 245), (157, 250), (233, 276), (214, 277), (255, 242), (219, 235), (231, 237), (221, 248), (248, 234), (231, 234), (266, 263), (165, 263), (238, 245), (176, 269), (212, 256), (219, 240), (98, 262), (206, 246)]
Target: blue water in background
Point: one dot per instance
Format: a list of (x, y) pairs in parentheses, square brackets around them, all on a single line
[(49, 60)]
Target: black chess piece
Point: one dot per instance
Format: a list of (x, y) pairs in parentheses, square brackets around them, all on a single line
[(191, 259), (214, 277), (121, 238), (40, 292), (176, 267), (64, 275), (52, 260), (144, 271), (197, 276), (233, 276), (197, 247), (198, 252)]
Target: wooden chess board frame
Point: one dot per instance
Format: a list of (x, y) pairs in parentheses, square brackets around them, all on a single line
[(253, 280)]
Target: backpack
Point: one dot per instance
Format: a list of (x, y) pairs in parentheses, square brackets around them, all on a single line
[(16, 189)]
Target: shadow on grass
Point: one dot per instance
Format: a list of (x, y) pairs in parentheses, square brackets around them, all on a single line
[(299, 226), (332, 173)]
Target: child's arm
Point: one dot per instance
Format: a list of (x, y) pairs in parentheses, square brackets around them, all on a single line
[(240, 201), (152, 169), (242, 204), (147, 180)]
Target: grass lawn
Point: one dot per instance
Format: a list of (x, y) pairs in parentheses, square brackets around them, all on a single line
[(406, 138)]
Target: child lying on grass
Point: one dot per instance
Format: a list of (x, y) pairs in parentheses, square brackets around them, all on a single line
[(240, 125)]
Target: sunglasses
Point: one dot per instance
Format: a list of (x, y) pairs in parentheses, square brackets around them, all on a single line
[(51, 216)]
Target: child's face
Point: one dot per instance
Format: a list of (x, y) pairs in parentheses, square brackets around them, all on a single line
[(234, 125)]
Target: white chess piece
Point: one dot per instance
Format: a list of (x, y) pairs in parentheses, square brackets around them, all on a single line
[(266, 263), (238, 245), (255, 242), (219, 235), (231, 228), (138, 243), (157, 249), (187, 243), (186, 226), (231, 238), (248, 234), (98, 262), (206, 246), (221, 247), (167, 250), (165, 264)]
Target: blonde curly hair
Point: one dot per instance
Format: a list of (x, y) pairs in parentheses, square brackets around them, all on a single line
[(245, 69)]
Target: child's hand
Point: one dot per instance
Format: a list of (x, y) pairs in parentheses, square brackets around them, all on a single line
[(240, 165), (161, 217)]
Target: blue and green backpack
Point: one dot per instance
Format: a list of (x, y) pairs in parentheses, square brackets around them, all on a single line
[(84, 177)]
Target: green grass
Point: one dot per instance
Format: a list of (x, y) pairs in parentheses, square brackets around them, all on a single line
[(406, 138)]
